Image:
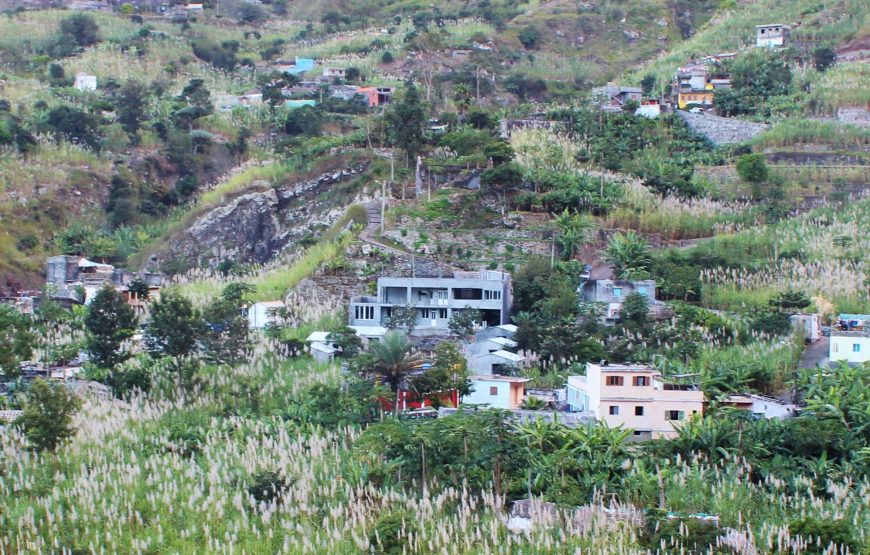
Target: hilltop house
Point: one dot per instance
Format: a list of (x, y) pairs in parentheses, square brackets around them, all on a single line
[(436, 299), (637, 397), (501, 392), (612, 292), (771, 35), (85, 82), (850, 341)]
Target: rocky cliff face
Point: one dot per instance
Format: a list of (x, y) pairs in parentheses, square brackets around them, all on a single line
[(259, 224)]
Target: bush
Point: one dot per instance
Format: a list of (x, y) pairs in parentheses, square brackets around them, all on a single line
[(391, 531), (530, 37), (268, 487), (837, 532), (752, 168)]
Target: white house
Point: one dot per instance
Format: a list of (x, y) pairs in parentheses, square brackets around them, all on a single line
[(496, 362), (261, 314), (501, 392), (850, 346), (85, 82), (761, 406)]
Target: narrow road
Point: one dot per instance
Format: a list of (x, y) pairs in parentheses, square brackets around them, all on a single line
[(816, 353)]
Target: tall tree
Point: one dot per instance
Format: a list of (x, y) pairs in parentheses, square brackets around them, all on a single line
[(131, 104), (16, 340), (80, 29), (109, 322), (405, 121), (123, 202), (175, 326), (226, 339), (48, 414)]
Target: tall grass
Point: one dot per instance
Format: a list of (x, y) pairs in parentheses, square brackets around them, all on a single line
[(793, 132)]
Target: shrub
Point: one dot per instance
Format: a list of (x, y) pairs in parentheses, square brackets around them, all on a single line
[(837, 532)]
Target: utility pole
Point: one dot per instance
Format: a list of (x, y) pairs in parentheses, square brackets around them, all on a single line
[(383, 203)]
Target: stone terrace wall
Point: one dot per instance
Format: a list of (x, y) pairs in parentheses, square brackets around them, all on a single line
[(721, 131)]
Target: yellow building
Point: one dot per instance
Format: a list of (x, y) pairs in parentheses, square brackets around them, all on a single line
[(701, 97), (636, 397)]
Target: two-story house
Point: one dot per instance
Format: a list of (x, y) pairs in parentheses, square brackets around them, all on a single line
[(634, 396), (612, 292), (771, 35), (435, 300)]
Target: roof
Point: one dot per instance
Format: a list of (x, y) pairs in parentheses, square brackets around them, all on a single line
[(323, 348), (750, 397), (507, 355), (577, 381), (508, 327), (502, 341), (773, 25), (497, 378), (317, 337)]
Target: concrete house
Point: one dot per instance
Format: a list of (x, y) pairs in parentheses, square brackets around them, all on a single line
[(637, 397), (436, 299), (612, 292), (262, 314), (85, 82), (771, 35), (501, 392), (491, 345)]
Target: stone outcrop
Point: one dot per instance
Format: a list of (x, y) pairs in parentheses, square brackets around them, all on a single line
[(719, 130), (256, 226)]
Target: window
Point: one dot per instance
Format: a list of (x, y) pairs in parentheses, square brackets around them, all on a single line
[(493, 390), (835, 348), (856, 347), (434, 313), (492, 295), (614, 380), (617, 291), (674, 415), (638, 411), (640, 381), (614, 410), (364, 312)]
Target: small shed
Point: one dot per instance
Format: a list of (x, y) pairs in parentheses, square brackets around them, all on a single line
[(322, 352), (85, 82)]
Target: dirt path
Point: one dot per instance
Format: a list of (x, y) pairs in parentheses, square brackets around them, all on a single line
[(816, 353)]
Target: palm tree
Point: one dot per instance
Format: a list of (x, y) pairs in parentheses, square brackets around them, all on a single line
[(394, 359), (574, 230), (629, 254)]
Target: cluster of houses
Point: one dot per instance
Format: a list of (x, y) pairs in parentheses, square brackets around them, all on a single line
[(695, 84), (637, 397), (75, 280), (306, 92)]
